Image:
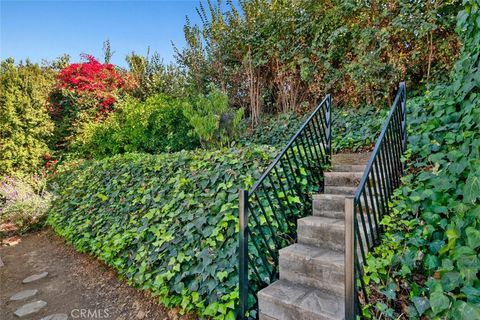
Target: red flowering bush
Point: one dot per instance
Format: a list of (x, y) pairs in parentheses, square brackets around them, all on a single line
[(85, 92), (100, 79)]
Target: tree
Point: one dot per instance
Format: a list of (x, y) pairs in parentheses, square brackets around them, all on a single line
[(25, 125)]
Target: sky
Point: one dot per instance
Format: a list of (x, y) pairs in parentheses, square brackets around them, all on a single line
[(47, 29)]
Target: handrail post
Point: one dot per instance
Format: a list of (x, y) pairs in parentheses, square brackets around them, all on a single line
[(243, 256), (403, 104), (329, 127), (349, 258)]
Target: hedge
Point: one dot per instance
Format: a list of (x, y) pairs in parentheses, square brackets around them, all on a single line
[(168, 222)]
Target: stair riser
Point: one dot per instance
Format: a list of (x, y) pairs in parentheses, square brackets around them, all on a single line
[(335, 204), (334, 287), (321, 236), (335, 207), (305, 307), (349, 168), (314, 273), (339, 190), (329, 214), (280, 311), (342, 180)]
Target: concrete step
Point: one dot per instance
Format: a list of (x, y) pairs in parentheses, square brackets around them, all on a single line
[(328, 202), (333, 205), (343, 179), (351, 158), (322, 232), (349, 167), (329, 214), (340, 190), (285, 300), (314, 267)]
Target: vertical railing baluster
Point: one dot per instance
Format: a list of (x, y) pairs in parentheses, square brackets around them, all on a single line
[(243, 252), (329, 126)]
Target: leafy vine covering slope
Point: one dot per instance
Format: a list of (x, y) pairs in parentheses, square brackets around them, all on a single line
[(429, 262), (168, 223)]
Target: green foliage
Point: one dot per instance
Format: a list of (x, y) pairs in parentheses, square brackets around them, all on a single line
[(23, 202), (25, 125), (168, 223), (352, 130), (278, 55), (211, 118), (272, 130), (355, 130), (431, 253), (152, 76), (153, 126)]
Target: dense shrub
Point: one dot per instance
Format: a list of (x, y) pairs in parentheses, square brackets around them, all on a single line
[(85, 92), (211, 118), (167, 222), (429, 262), (23, 203), (153, 126), (277, 55), (151, 77), (25, 125)]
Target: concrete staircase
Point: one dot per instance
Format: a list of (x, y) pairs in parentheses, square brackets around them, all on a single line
[(311, 284)]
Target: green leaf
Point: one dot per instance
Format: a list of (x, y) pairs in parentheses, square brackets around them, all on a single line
[(102, 197), (465, 311), (421, 304), (473, 237), (439, 302), (471, 190)]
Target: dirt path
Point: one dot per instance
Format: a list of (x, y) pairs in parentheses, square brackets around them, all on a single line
[(75, 282)]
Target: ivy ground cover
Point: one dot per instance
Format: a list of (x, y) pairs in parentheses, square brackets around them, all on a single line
[(168, 222), (428, 265)]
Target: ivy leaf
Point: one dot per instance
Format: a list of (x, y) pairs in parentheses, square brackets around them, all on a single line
[(471, 191), (465, 311), (102, 197), (439, 302), (473, 237), (421, 303)]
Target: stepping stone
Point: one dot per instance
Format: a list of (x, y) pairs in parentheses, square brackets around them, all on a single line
[(56, 316), (30, 308), (35, 277), (1, 262), (24, 295)]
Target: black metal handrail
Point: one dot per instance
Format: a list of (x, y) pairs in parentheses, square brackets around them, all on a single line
[(269, 211), (365, 210)]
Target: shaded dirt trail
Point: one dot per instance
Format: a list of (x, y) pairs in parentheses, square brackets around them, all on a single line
[(75, 282)]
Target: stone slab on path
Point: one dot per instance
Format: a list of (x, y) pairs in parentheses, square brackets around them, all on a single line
[(30, 308), (56, 316), (1, 262), (25, 294), (35, 277)]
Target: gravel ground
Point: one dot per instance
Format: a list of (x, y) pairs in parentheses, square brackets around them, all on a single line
[(75, 282)]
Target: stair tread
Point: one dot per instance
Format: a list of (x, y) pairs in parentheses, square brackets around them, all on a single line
[(329, 214), (359, 158), (348, 167), (314, 253), (299, 302), (322, 221), (333, 196), (344, 173)]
